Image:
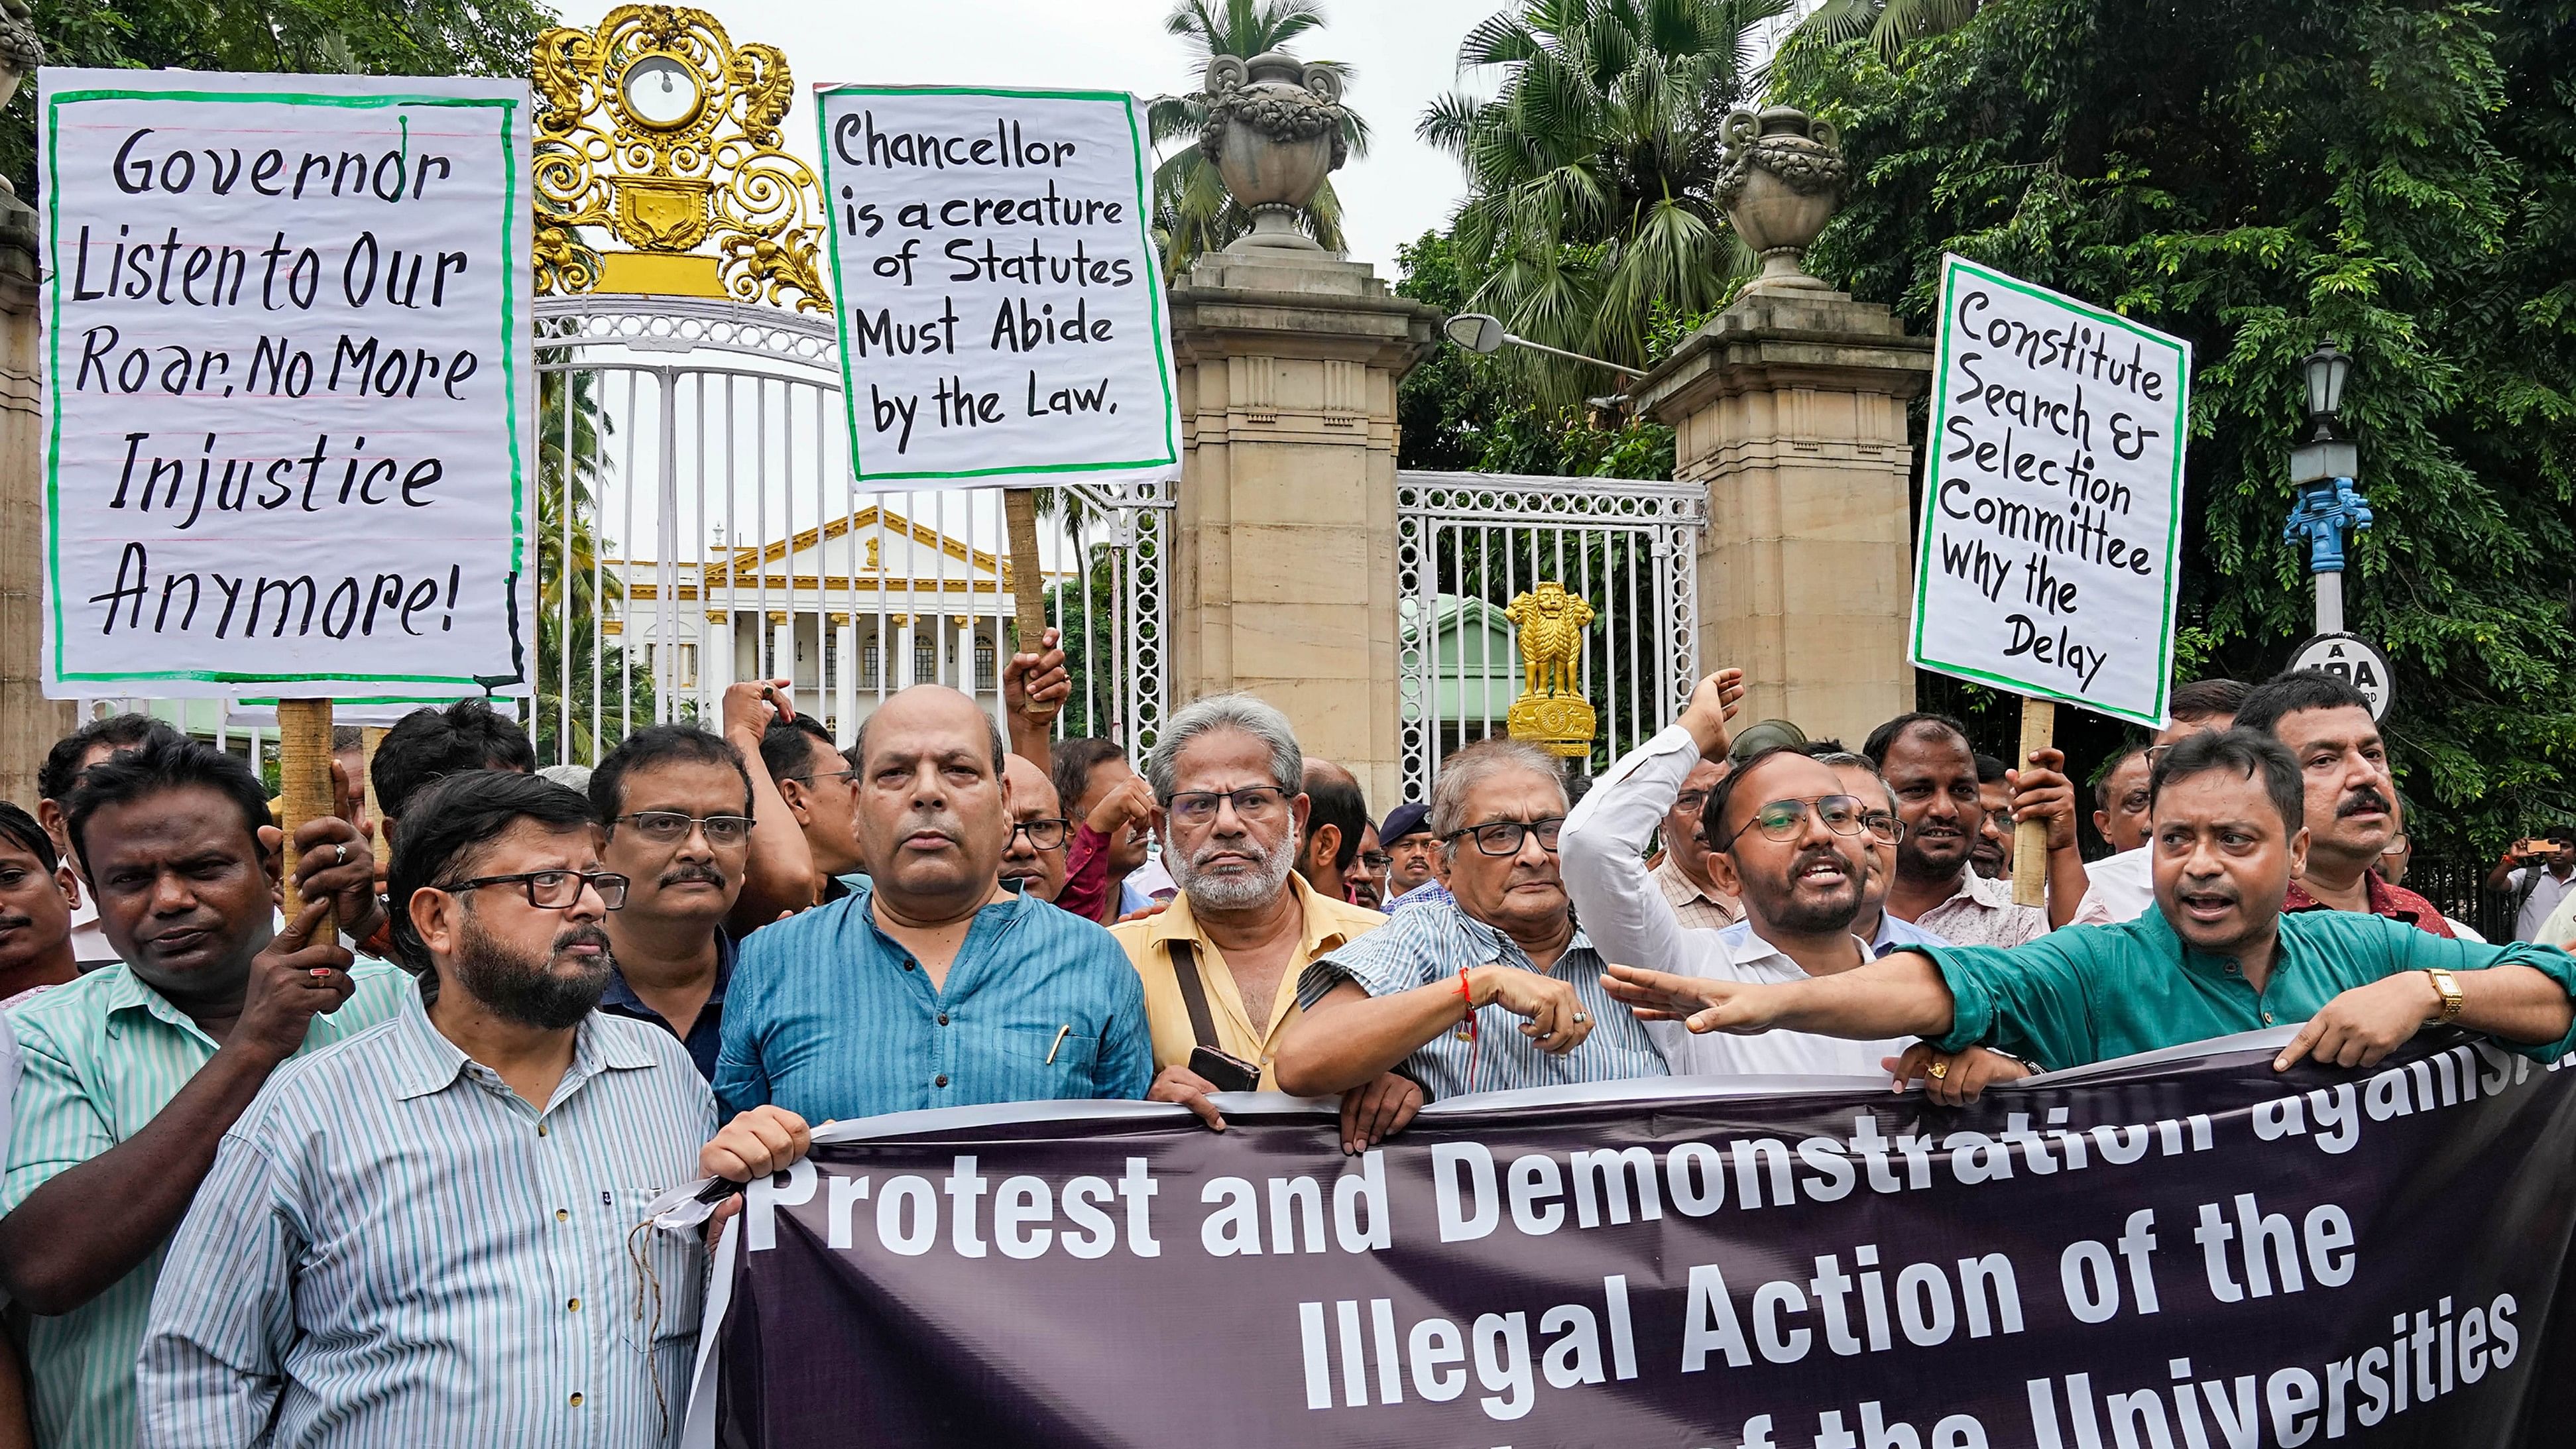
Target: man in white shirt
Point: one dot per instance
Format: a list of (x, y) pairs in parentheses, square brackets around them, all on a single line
[(2538, 874), (2121, 887), (1785, 836)]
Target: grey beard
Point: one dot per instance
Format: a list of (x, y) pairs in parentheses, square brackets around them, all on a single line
[(1239, 890)]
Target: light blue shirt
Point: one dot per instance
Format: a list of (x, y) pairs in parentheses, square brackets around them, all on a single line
[(1893, 935), (1433, 942), (393, 1248), (832, 1019)]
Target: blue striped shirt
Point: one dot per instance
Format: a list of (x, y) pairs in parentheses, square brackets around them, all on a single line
[(832, 1019), (394, 1249), (1432, 942)]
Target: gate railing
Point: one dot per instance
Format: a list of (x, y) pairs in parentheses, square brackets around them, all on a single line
[(1468, 543)]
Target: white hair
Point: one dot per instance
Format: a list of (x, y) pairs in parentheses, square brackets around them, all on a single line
[(1226, 712), (1465, 770)]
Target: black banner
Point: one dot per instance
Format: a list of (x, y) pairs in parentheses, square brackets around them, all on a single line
[(2178, 1252)]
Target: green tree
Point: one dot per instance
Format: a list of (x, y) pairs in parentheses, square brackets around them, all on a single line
[(1192, 212), (2252, 175), (572, 585), (1886, 24), (373, 37), (1590, 172)]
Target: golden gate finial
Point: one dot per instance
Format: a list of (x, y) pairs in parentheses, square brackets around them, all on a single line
[(659, 129)]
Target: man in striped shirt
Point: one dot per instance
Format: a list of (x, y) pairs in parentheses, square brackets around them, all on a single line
[(1434, 992), (434, 1232), (135, 1071)]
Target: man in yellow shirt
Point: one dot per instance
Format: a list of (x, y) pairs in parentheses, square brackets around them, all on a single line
[(1220, 966)]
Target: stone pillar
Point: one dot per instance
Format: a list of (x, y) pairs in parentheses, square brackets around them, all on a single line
[(1790, 407), (904, 626), (1283, 567), (29, 722), (845, 677)]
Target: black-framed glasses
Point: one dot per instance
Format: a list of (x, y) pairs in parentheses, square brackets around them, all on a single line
[(1786, 820), (670, 827), (554, 890), (1042, 834), (1375, 860), (1504, 837), (1691, 802), (808, 780), (1251, 803)]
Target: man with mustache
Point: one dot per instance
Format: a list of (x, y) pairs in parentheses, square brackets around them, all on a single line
[(2351, 799), (2217, 956), (1433, 993), (1033, 861), (1220, 965), (1410, 851), (1927, 760), (70, 755), (710, 853), (1873, 924), (818, 787), (1683, 876), (134, 1071), (428, 1234), (931, 985), (2121, 887)]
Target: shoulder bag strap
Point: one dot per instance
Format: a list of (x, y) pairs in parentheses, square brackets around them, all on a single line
[(1185, 970)]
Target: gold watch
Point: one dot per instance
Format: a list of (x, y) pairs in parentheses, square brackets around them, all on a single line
[(2444, 983)]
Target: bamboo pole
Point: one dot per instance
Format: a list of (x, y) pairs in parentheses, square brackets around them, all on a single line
[(2030, 837), (304, 781)]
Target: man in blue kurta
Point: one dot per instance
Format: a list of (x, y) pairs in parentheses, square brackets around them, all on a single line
[(930, 985), (2216, 956)]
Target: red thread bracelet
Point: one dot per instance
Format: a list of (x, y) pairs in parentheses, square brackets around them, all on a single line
[(1467, 994)]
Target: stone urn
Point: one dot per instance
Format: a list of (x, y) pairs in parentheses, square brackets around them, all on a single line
[(1273, 132), (1781, 181)]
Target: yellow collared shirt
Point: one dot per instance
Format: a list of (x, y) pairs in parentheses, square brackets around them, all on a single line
[(1329, 924)]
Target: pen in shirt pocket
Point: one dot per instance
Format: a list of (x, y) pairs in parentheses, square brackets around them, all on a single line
[(1057, 1045)]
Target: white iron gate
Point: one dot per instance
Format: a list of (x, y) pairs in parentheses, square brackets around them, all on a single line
[(699, 524), (1467, 544)]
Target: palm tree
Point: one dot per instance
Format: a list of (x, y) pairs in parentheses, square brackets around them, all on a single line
[(1192, 213), (571, 462), (1590, 172), (1888, 24)]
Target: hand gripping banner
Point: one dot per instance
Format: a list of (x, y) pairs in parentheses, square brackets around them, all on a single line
[(2178, 1251)]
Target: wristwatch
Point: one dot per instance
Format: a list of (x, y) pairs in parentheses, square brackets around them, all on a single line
[(2450, 989)]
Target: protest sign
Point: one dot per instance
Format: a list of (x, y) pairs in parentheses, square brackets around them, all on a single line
[(2052, 503), (2179, 1249), (287, 386), (996, 286)]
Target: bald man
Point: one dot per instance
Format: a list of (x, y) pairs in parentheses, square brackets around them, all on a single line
[(931, 985), (1033, 859)]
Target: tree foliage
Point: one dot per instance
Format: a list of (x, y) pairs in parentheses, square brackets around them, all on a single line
[(1192, 211), (1590, 172), (2253, 175), (373, 37)]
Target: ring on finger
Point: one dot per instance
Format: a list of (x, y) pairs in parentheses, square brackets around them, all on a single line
[(343, 857), (1937, 1071)]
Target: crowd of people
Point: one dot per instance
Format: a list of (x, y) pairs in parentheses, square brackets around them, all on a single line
[(377, 1173)]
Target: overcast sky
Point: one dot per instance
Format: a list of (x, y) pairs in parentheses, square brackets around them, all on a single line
[(1405, 52)]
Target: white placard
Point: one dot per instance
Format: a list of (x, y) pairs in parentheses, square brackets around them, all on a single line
[(996, 286), (2052, 510), (288, 390)]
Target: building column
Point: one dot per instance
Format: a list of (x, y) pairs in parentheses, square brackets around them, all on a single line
[(1790, 407), (1283, 560), (29, 722), (845, 677), (901, 665)]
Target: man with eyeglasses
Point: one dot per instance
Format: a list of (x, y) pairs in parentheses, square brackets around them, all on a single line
[(1365, 881), (711, 854), (1786, 835), (1435, 992), (1033, 860), (814, 782), (428, 1234), (929, 985), (1220, 964), (1682, 876), (2122, 887)]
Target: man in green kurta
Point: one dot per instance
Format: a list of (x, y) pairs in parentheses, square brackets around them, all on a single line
[(2217, 956)]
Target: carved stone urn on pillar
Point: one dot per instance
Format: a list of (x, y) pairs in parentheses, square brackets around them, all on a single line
[(1781, 181), (1273, 132)]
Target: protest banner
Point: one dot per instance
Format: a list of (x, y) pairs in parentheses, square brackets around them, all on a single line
[(287, 389), (2179, 1249), (2052, 509), (999, 295)]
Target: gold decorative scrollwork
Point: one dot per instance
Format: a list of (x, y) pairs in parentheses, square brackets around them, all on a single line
[(659, 130)]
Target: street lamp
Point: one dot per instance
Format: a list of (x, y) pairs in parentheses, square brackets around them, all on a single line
[(1478, 332), (2325, 469)]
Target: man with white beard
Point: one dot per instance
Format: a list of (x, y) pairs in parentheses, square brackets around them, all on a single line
[(1220, 965)]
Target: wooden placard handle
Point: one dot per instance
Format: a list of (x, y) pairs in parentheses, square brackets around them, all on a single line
[(1028, 581), (2030, 837), (304, 782)]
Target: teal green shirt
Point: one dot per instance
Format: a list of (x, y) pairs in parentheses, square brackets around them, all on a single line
[(104, 1054), (2090, 993)]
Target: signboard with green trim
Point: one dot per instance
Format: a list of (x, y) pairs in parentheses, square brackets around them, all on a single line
[(2052, 500), (288, 399), (996, 285)]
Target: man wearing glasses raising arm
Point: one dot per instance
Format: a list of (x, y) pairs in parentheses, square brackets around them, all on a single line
[(1435, 991)]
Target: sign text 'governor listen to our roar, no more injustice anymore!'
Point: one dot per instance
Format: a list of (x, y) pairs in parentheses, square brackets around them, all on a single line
[(287, 383)]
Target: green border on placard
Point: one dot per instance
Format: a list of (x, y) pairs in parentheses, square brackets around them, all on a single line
[(509, 107), (1952, 265), (840, 295)]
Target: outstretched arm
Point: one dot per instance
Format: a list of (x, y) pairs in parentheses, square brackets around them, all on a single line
[(1901, 994)]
